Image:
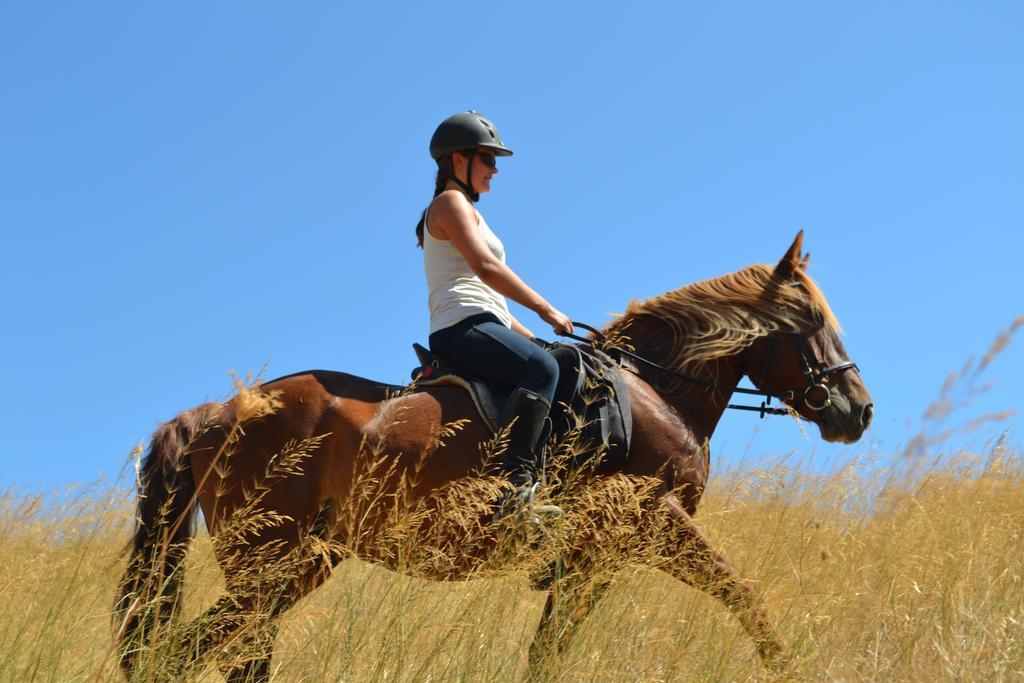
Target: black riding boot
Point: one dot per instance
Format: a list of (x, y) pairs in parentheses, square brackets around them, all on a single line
[(526, 439)]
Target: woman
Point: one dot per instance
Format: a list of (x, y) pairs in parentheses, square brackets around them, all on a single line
[(470, 324)]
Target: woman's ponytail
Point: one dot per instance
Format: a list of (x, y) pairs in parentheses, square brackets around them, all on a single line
[(443, 166)]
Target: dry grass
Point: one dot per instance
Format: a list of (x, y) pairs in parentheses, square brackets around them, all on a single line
[(906, 567), (870, 573)]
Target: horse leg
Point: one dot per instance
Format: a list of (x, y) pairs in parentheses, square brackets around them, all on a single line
[(244, 622), (256, 646), (202, 635), (571, 597), (264, 578), (704, 568), (230, 624)]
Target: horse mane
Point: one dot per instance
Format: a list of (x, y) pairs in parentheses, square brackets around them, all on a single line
[(722, 316)]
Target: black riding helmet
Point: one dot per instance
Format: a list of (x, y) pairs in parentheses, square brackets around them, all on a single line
[(467, 131)]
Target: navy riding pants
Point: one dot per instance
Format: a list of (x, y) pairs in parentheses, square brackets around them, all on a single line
[(484, 347)]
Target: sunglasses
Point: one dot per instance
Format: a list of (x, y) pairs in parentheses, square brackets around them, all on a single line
[(487, 159)]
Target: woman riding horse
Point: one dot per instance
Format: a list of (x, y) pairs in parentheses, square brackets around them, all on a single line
[(468, 279), (302, 472)]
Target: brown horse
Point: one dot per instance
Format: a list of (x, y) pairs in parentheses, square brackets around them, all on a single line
[(309, 469)]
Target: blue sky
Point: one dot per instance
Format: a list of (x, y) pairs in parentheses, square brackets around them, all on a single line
[(191, 189)]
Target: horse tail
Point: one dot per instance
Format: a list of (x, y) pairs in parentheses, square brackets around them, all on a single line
[(149, 594)]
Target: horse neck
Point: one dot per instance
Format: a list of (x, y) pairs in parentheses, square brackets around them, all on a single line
[(701, 407)]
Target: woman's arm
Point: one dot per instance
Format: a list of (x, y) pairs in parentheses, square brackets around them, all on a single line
[(453, 218)]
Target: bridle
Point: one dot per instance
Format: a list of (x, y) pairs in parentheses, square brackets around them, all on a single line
[(816, 375), (815, 394)]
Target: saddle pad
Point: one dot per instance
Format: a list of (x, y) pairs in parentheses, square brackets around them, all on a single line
[(489, 399), (590, 386)]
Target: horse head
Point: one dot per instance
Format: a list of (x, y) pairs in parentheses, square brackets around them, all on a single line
[(804, 360)]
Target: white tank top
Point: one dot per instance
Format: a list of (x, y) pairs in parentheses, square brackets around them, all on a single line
[(456, 292)]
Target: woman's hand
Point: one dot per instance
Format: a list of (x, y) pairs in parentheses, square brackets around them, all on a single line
[(558, 320)]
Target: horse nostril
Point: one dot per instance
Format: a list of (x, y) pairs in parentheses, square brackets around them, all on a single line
[(869, 412)]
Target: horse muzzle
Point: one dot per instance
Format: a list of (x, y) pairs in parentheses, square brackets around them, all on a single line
[(844, 420)]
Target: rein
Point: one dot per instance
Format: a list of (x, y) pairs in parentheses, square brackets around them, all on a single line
[(815, 380)]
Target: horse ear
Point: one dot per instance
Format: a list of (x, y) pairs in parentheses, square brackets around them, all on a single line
[(805, 260), (791, 261)]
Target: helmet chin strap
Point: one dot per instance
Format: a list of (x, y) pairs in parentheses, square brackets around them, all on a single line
[(467, 187)]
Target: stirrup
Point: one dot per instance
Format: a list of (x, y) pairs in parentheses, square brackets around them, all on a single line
[(543, 509), (519, 503)]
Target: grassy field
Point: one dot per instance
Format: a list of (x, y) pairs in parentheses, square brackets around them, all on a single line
[(871, 573), (905, 567)]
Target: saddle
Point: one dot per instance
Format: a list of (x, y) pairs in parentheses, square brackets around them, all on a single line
[(591, 395)]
